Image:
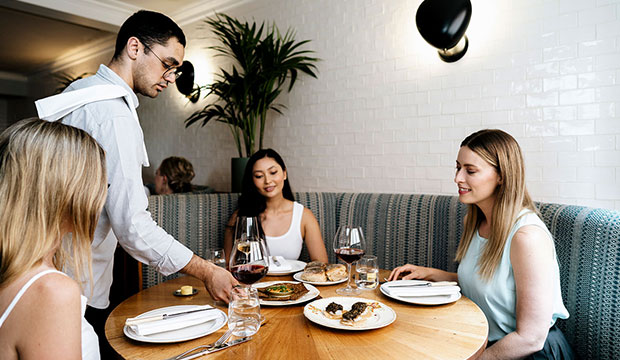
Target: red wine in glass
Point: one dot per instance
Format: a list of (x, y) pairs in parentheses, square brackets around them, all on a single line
[(349, 245), (349, 255), (248, 274)]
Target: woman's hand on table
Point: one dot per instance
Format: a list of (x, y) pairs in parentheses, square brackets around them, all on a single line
[(421, 272)]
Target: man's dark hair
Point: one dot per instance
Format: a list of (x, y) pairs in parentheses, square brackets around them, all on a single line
[(150, 28)]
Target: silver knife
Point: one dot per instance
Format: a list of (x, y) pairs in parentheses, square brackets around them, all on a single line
[(218, 348), (426, 284), (275, 261)]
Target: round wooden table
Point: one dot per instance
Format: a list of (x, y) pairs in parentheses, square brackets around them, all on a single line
[(453, 331)]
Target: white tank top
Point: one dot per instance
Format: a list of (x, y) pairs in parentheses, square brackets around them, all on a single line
[(90, 343), (290, 244)]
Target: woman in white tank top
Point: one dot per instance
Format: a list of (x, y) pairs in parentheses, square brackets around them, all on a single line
[(286, 224), (52, 182)]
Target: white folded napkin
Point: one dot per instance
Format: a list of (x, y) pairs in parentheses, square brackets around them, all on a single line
[(175, 323), (284, 264), (420, 291)]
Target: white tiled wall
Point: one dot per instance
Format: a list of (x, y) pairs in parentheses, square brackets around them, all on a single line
[(386, 115)]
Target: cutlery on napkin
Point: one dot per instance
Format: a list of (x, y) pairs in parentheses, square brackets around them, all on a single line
[(422, 291), (278, 263), (168, 315), (179, 321), (424, 284)]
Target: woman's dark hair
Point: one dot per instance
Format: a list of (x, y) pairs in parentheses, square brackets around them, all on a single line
[(179, 172), (251, 202), (150, 28)]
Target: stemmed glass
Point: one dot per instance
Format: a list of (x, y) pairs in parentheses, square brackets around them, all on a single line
[(349, 245), (249, 258)]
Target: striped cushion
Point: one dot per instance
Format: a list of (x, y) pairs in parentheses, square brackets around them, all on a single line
[(425, 230)]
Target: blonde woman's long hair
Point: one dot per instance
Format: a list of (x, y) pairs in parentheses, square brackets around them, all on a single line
[(51, 176), (501, 151)]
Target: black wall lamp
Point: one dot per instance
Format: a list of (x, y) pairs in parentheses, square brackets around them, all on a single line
[(185, 82), (442, 23)]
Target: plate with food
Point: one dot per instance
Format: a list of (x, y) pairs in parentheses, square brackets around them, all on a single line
[(349, 313), (285, 267), (278, 293), (319, 273), (186, 290)]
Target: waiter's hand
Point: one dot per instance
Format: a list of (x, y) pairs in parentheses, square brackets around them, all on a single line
[(218, 281)]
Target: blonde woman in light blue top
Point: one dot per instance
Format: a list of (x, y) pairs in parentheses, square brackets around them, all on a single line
[(507, 259)]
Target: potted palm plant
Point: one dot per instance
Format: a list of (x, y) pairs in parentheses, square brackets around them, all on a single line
[(243, 94)]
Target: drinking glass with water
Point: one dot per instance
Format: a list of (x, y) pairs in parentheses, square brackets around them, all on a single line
[(367, 272), (217, 257), (244, 311)]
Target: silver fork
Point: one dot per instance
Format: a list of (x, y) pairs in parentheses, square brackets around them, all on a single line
[(217, 343)]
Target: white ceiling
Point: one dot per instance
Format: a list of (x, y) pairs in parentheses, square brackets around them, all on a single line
[(45, 35)]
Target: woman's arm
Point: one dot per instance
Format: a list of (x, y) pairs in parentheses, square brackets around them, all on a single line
[(421, 272), (531, 254), (51, 320), (229, 233), (311, 232)]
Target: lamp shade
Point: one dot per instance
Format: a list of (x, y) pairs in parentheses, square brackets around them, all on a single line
[(442, 23), (185, 82)]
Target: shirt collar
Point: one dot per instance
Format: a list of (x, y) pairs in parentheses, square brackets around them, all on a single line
[(109, 75)]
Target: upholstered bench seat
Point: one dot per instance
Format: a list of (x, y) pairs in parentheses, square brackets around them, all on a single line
[(425, 230)]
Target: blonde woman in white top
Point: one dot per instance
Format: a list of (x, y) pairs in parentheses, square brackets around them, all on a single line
[(266, 193), (52, 183)]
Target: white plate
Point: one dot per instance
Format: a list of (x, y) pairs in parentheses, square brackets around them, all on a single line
[(188, 333), (421, 300), (296, 266), (297, 277), (311, 294), (382, 316)]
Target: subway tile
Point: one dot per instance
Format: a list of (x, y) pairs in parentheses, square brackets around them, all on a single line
[(576, 66), (543, 70), (596, 142), (542, 99), (607, 126), (560, 113), (576, 190), (479, 105), (561, 52), (577, 35), (608, 93), (570, 6), (559, 143), (527, 86), (527, 115), (541, 159), (579, 159), (596, 15), (596, 79), (596, 111), (607, 61), (560, 174), (581, 96), (608, 191), (594, 174), (608, 29), (563, 21), (566, 82), (540, 189), (510, 102), (577, 127), (607, 158), (542, 129)]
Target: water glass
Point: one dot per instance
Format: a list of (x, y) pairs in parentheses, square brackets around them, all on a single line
[(217, 257), (367, 272), (244, 311)]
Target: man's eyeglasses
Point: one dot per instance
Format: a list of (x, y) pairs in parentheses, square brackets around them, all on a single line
[(170, 70)]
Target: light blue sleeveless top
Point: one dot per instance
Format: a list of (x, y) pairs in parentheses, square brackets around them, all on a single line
[(498, 297)]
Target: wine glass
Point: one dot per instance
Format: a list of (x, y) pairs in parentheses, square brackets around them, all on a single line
[(349, 246), (249, 258)]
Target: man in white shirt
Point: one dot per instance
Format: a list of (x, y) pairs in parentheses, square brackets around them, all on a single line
[(149, 49)]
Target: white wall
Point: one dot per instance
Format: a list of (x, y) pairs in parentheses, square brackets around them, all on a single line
[(386, 115)]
